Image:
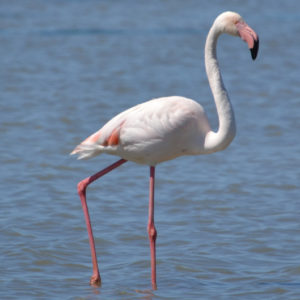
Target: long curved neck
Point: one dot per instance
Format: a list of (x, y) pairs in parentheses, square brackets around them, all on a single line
[(216, 141)]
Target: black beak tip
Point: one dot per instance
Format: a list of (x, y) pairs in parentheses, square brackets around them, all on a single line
[(254, 50)]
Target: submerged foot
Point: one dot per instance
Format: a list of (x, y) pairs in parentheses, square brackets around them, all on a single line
[(95, 281)]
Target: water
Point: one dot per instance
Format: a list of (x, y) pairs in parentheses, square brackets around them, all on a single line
[(228, 224)]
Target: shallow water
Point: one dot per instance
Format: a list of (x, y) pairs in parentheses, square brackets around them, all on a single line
[(228, 223)]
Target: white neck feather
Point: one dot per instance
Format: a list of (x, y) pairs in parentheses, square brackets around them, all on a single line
[(216, 141)]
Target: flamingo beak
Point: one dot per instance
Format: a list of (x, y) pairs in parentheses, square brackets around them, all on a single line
[(248, 35)]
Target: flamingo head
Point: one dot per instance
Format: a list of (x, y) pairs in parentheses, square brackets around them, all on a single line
[(233, 24)]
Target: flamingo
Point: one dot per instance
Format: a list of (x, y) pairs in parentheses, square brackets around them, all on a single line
[(165, 128)]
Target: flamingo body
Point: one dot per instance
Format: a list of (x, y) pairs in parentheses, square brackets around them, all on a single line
[(165, 128), (152, 132)]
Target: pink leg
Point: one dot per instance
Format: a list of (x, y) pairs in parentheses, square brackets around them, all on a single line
[(82, 185), (151, 228)]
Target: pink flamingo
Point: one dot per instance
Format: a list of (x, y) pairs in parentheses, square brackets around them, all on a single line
[(165, 128)]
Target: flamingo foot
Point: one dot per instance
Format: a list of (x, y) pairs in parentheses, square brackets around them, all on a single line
[(95, 280)]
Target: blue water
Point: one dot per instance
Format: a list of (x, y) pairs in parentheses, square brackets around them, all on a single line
[(228, 223)]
